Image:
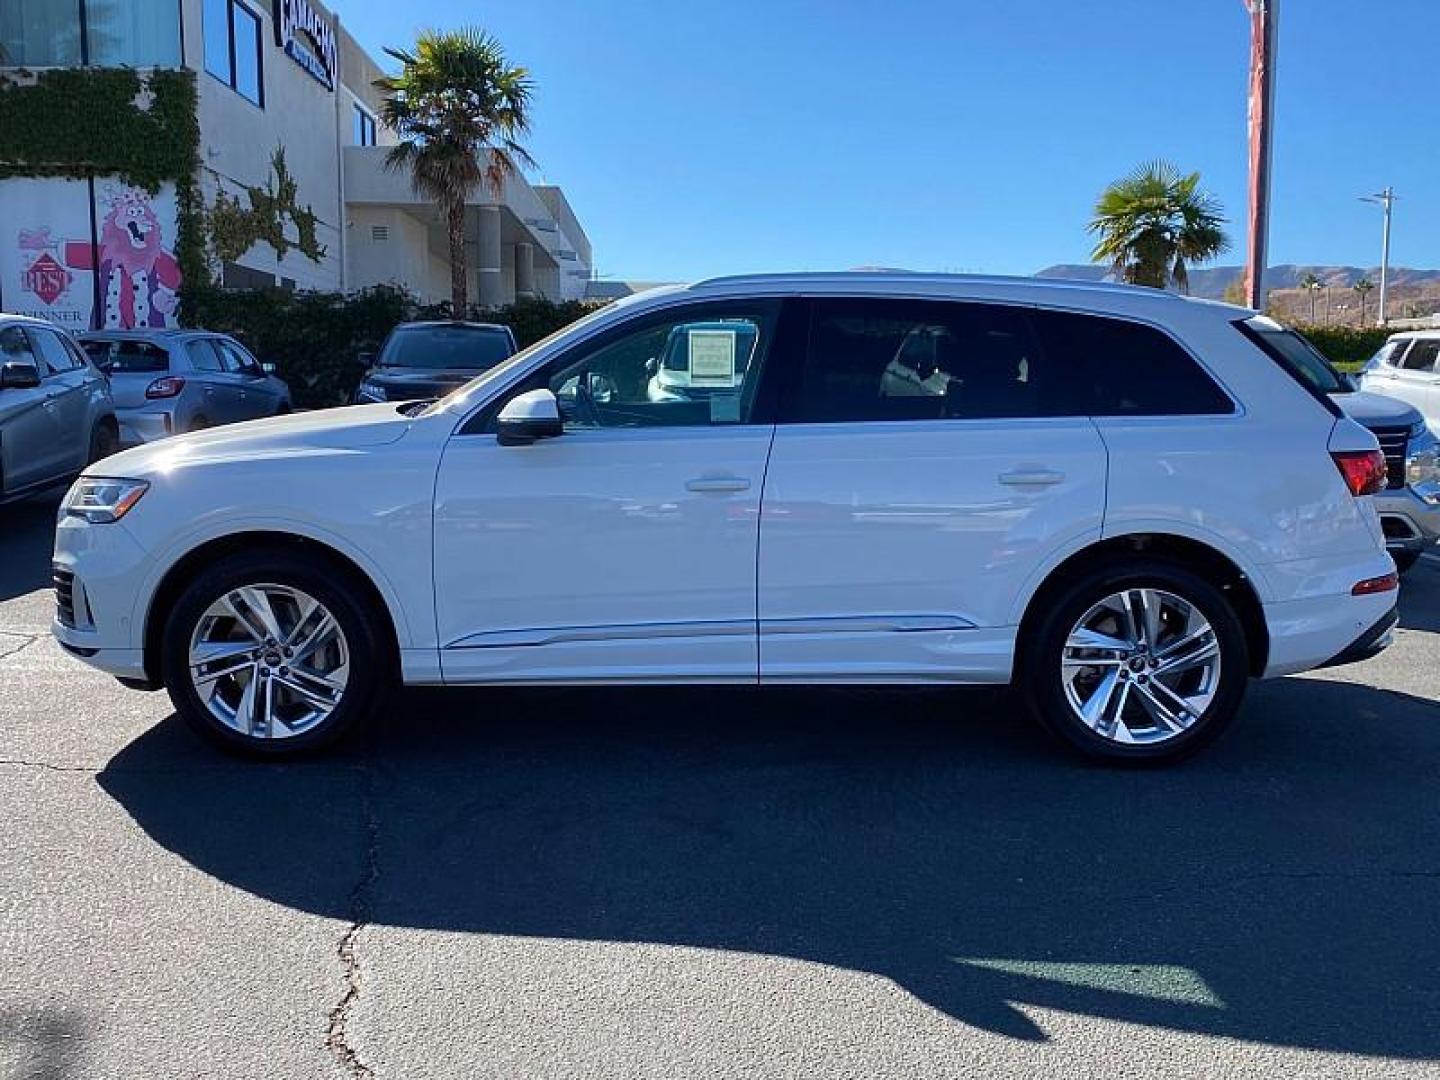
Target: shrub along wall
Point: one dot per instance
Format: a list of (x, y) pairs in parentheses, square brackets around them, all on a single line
[(1348, 347), (315, 338)]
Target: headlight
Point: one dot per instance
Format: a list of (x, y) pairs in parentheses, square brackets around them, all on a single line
[(100, 501), (372, 391)]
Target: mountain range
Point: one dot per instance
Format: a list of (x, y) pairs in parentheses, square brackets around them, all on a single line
[(1211, 282)]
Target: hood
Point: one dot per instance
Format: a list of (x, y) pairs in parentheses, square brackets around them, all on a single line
[(402, 383), (292, 435), (1377, 410)]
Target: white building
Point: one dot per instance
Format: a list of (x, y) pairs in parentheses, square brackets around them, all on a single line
[(285, 73)]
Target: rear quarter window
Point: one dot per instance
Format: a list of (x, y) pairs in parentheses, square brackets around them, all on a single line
[(1122, 368)]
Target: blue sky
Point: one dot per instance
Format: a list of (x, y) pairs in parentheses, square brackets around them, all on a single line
[(698, 138)]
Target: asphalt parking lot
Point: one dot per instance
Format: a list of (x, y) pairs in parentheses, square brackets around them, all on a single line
[(651, 883)]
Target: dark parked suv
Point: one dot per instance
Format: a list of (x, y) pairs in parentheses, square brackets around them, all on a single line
[(429, 359)]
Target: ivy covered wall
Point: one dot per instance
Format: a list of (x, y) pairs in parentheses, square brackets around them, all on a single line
[(96, 122)]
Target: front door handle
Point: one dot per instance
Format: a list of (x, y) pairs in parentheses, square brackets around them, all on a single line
[(1031, 477), (717, 483)]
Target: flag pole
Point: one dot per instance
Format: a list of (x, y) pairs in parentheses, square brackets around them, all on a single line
[(1263, 42)]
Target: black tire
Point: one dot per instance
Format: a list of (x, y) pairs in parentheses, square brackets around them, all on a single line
[(371, 668), (1405, 560), (1042, 687), (104, 441)]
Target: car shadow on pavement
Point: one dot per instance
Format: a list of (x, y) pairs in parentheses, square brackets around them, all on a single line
[(28, 530), (1283, 888)]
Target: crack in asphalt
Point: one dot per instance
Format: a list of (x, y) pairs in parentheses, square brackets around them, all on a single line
[(20, 763), (337, 1037), (26, 640)]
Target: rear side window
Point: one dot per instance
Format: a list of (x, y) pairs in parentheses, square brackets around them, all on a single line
[(128, 357), (1422, 355), (1122, 368), (876, 359), (52, 350)]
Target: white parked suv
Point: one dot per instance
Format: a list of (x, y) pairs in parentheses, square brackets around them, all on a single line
[(1123, 502)]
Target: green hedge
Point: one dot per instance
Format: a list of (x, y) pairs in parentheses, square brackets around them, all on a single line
[(315, 338), (1348, 347)]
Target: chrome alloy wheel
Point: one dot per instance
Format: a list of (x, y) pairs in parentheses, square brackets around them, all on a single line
[(1141, 666), (269, 661)]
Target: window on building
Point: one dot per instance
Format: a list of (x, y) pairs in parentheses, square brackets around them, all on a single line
[(364, 128), (137, 33), (233, 47), (40, 33), (66, 33)]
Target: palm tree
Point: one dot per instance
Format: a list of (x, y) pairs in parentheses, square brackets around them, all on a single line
[(1154, 223), (1312, 285), (458, 108), (1363, 287)]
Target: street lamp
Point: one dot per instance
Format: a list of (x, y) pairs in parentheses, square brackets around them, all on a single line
[(1385, 199)]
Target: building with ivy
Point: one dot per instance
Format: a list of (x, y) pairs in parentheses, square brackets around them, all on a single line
[(151, 143)]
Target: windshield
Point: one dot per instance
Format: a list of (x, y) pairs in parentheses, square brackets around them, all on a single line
[(465, 348), (1305, 360), (122, 357)]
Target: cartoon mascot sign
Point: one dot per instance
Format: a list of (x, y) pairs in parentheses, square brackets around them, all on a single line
[(139, 278)]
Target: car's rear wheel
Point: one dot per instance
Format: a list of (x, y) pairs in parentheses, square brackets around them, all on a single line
[(104, 441), (1136, 662), (270, 653)]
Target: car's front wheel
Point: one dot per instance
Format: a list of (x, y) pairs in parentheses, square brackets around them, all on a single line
[(1138, 662), (269, 652)]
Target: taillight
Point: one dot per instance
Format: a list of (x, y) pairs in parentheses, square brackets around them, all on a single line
[(1363, 470), (169, 386), (1373, 585)]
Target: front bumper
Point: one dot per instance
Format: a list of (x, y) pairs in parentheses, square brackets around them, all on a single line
[(103, 563), (1410, 522)]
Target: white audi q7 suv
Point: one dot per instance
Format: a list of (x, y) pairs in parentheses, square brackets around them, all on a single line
[(1124, 503)]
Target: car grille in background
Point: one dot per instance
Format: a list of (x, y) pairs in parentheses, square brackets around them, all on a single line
[(1393, 441), (64, 596)]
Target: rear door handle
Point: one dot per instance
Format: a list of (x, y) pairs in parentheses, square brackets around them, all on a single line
[(1029, 477), (717, 484)]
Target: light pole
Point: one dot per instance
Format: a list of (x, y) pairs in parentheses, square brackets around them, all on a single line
[(1263, 47), (1385, 199)]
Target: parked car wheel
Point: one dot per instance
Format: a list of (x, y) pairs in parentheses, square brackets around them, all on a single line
[(1136, 662), (1405, 560), (270, 653), (104, 441)]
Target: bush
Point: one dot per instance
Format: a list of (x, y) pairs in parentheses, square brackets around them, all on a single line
[(314, 338), (1347, 347)]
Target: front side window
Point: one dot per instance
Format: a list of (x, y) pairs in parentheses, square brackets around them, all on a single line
[(233, 47), (1122, 368), (15, 348), (874, 359), (1422, 355), (204, 356), (236, 360), (694, 367)]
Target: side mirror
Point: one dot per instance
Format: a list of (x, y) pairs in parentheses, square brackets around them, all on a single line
[(527, 417), (367, 359), (268, 368), (652, 366), (18, 375)]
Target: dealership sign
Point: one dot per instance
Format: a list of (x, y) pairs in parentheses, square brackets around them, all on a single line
[(308, 38)]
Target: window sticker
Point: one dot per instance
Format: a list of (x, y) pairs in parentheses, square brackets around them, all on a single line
[(712, 357)]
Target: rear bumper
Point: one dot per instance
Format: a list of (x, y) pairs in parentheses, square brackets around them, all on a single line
[(1371, 643), (144, 425), (1311, 631)]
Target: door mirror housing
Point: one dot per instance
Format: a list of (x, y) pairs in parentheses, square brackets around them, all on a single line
[(19, 375), (529, 416)]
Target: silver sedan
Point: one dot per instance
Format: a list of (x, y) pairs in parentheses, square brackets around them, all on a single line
[(171, 381)]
